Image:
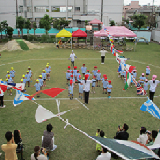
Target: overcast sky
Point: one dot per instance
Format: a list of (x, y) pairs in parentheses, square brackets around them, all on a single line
[(143, 2)]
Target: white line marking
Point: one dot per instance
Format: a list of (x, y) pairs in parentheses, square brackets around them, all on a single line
[(82, 104), (51, 99)]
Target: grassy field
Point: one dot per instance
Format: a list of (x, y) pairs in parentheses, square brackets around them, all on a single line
[(105, 114)]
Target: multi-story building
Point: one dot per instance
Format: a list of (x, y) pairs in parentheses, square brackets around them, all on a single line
[(76, 11), (8, 12), (132, 5)]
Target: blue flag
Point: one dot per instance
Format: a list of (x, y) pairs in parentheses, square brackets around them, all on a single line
[(151, 108), (20, 97)]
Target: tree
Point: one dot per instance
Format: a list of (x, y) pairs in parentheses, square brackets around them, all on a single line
[(60, 23), (112, 23), (20, 23), (27, 26), (10, 32), (151, 20), (34, 27), (138, 20), (45, 22), (3, 27)]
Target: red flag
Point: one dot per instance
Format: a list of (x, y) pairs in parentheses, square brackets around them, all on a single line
[(53, 92), (111, 48), (131, 68), (114, 54), (3, 87)]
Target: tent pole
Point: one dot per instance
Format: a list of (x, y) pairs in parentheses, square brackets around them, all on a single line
[(71, 42), (93, 43)]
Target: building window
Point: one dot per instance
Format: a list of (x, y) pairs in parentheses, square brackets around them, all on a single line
[(20, 9), (29, 9), (55, 9), (41, 9), (24, 3), (63, 9), (77, 9), (25, 14)]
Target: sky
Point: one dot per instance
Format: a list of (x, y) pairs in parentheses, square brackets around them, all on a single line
[(143, 2)]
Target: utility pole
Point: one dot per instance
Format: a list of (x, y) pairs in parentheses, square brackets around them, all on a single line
[(66, 10), (101, 10), (16, 9)]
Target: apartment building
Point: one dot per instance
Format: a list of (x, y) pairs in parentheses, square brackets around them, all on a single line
[(76, 11)]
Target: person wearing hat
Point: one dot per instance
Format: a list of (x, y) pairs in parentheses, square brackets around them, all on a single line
[(39, 154), (44, 78), (38, 87), (47, 72), (88, 74), (68, 74), (69, 68), (95, 71), (12, 73), (49, 67), (78, 74), (83, 70), (8, 73), (146, 85), (153, 84), (148, 70), (109, 87), (103, 52), (71, 88), (40, 81), (9, 89), (142, 79), (105, 84), (72, 56), (93, 84), (86, 88), (98, 78), (75, 70), (28, 76)]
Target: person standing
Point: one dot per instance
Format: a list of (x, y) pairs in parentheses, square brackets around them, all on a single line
[(103, 52), (153, 84), (86, 88), (1, 99), (72, 55)]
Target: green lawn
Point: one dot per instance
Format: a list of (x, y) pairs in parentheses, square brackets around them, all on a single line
[(105, 114)]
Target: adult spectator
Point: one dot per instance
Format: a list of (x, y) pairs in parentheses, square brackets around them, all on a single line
[(143, 136), (153, 84), (122, 134), (48, 139), (86, 88), (105, 155), (72, 55), (39, 154), (10, 147), (17, 137), (103, 52)]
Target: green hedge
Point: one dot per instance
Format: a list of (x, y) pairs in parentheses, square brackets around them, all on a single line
[(22, 44)]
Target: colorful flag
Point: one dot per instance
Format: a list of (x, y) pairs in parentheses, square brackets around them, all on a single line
[(140, 90), (20, 97), (20, 86), (126, 149), (119, 51), (128, 80), (151, 108)]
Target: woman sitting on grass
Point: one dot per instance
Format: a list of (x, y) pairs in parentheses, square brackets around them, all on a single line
[(39, 154)]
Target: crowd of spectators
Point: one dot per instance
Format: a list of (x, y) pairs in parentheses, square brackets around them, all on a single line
[(14, 142)]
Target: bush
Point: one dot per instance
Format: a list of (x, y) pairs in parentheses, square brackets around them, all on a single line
[(25, 37), (32, 38), (4, 40), (22, 44)]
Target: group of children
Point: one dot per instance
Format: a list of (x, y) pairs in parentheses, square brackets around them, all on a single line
[(143, 80), (74, 77), (27, 78)]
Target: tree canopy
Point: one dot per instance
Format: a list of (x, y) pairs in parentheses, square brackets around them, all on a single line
[(60, 23), (138, 20)]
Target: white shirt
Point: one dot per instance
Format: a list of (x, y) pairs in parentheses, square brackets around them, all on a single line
[(153, 85), (86, 86), (103, 52), (142, 138), (40, 157), (104, 156), (72, 55)]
